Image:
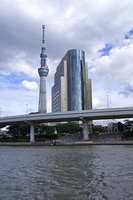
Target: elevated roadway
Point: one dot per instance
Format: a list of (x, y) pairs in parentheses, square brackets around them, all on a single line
[(85, 116)]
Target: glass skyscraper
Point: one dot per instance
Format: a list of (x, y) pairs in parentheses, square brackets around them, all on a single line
[(72, 88)]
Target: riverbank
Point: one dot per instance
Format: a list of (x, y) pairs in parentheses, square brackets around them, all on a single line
[(75, 140), (56, 143)]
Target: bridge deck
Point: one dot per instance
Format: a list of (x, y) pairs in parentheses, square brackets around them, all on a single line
[(96, 114)]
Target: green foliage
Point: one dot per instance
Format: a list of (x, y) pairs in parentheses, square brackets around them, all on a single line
[(42, 138), (70, 128), (16, 139), (128, 125), (43, 132), (17, 130), (128, 122), (97, 128), (127, 135), (128, 130), (43, 129), (120, 126)]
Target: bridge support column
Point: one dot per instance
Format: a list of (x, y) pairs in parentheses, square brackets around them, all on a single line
[(32, 131), (85, 130)]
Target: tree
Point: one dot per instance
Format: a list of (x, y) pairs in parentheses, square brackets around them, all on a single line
[(43, 129), (70, 128), (97, 128), (128, 125), (19, 130), (120, 127)]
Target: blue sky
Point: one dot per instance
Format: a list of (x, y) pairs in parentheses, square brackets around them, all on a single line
[(103, 29), (105, 51)]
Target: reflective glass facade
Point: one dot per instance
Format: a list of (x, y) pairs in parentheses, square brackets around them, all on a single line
[(71, 82), (76, 80)]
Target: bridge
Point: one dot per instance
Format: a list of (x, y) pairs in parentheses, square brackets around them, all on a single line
[(85, 116)]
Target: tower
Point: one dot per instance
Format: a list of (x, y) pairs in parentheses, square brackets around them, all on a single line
[(72, 87), (43, 72)]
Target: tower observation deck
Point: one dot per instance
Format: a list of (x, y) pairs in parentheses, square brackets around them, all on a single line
[(43, 72)]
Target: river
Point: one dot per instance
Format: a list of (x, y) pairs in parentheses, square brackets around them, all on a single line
[(66, 173)]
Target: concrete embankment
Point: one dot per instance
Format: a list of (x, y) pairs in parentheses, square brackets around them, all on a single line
[(75, 140), (77, 143)]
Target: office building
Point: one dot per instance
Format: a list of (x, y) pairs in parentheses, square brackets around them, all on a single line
[(72, 87)]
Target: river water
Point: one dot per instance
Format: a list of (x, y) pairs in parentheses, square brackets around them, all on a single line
[(66, 173)]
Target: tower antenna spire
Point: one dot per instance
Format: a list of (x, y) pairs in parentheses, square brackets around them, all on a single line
[(43, 72), (43, 35)]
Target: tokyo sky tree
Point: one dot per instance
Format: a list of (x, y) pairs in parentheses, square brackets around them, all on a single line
[(43, 72)]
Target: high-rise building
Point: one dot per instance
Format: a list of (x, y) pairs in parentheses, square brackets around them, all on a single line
[(72, 87), (43, 72)]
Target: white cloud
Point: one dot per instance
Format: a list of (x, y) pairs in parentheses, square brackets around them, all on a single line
[(117, 67), (29, 85), (18, 101), (97, 103), (18, 64), (87, 25)]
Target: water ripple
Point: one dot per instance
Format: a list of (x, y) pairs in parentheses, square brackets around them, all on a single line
[(62, 173)]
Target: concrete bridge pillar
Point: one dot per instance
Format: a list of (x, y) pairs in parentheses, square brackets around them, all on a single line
[(85, 130), (32, 131)]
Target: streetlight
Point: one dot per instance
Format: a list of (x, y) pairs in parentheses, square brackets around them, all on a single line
[(0, 112), (26, 109), (107, 101)]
